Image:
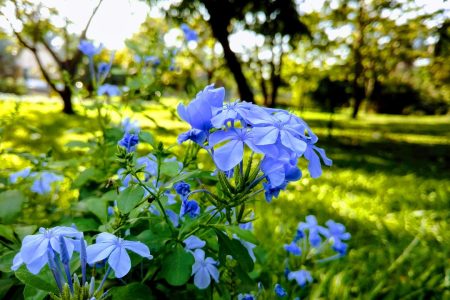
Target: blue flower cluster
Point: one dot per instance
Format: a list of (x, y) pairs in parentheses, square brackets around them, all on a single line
[(42, 181), (320, 239), (55, 247), (226, 130), (99, 74)]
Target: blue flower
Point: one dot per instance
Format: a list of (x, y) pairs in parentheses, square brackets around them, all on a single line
[(149, 164), (246, 297), (314, 230), (33, 252), (204, 269), (196, 135), (198, 112), (279, 128), (293, 249), (302, 277), (173, 217), (193, 242), (129, 141), (182, 188), (89, 49), (115, 249), (280, 291), (271, 191), (337, 234), (190, 207), (189, 34), (153, 60), (129, 125), (234, 111), (281, 169), (314, 165), (231, 153), (108, 89), (103, 68), (13, 177), (43, 184)]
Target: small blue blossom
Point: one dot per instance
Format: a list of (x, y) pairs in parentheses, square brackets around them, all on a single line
[(280, 291), (103, 68), (189, 34), (149, 164), (337, 234), (190, 207), (13, 177), (89, 49), (196, 135), (110, 90), (33, 252), (182, 188), (314, 230), (231, 153), (43, 183), (293, 248), (281, 169), (302, 277), (129, 141), (115, 249), (246, 297), (198, 112), (129, 125), (278, 129), (153, 60), (204, 269), (270, 191), (193, 242)]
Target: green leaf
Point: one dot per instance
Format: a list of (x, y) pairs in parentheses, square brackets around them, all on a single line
[(5, 285), (87, 175), (156, 237), (36, 281), (243, 234), (170, 168), (177, 266), (77, 144), (83, 224), (10, 204), (181, 177), (129, 198), (31, 293), (135, 291), (6, 262), (24, 230), (7, 232), (146, 137), (98, 207), (234, 248)]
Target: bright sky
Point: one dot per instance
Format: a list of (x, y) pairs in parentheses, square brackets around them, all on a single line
[(117, 20)]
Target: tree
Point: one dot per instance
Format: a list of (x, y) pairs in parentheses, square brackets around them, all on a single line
[(279, 18), (380, 45), (37, 34)]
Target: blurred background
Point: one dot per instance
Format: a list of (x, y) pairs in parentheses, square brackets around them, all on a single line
[(371, 78)]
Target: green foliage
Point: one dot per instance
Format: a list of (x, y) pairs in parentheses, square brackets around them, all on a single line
[(10, 205), (177, 266), (129, 198), (389, 184)]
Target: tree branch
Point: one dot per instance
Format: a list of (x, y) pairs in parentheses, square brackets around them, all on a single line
[(73, 63)]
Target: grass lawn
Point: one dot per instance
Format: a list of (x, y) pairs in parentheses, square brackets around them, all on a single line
[(389, 184)]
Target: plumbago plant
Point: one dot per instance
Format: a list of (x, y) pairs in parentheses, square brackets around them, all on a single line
[(170, 230)]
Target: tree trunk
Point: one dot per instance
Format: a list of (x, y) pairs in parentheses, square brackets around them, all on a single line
[(235, 68), (219, 22), (358, 76), (66, 96)]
